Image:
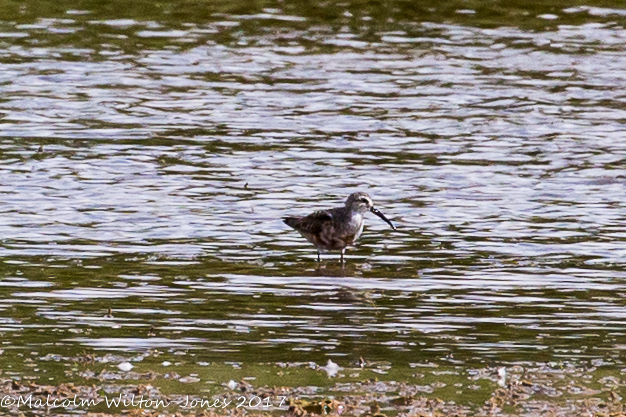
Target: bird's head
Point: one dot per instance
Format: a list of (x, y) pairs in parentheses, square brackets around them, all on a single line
[(361, 203)]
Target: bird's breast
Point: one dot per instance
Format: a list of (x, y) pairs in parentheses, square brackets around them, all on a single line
[(355, 227), (359, 231)]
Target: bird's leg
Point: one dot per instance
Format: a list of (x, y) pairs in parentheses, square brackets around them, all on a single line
[(342, 252), (318, 256)]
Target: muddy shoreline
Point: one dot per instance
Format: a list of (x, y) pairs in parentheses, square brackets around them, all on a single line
[(543, 390)]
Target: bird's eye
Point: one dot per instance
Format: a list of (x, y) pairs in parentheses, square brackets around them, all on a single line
[(364, 200)]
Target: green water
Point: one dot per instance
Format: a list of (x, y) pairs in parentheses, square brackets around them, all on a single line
[(149, 150)]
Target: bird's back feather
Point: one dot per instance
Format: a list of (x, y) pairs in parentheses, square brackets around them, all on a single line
[(313, 223)]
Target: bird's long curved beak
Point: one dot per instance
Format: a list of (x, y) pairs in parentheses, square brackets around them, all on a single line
[(382, 216)]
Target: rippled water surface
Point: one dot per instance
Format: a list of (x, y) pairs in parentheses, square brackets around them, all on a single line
[(147, 156)]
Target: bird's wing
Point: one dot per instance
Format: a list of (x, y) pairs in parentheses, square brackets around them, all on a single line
[(314, 222)]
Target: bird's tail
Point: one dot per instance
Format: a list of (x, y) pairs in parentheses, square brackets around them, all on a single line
[(291, 221)]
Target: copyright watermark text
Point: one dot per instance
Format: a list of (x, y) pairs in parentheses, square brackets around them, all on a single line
[(187, 402)]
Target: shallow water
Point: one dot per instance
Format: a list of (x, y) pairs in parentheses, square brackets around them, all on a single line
[(147, 158)]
